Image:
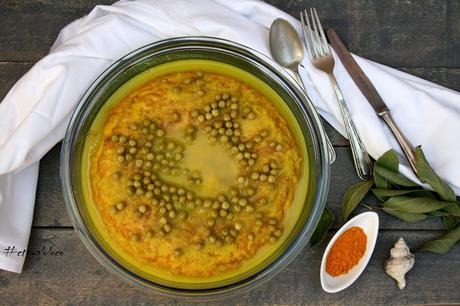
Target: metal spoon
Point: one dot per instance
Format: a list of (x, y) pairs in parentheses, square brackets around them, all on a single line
[(286, 49)]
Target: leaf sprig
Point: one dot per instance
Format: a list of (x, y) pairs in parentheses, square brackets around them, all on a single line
[(407, 201)]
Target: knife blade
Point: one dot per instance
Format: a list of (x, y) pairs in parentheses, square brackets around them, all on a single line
[(356, 73), (371, 94)]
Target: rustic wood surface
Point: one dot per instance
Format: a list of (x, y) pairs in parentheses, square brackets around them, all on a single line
[(421, 37)]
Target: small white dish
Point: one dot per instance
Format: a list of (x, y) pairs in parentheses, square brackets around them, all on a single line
[(369, 222)]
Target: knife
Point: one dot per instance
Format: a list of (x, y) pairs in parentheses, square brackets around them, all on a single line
[(371, 94)]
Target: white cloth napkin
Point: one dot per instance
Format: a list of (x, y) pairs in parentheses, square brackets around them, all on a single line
[(34, 114)]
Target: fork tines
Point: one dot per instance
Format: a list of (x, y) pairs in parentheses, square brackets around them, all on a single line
[(314, 37)]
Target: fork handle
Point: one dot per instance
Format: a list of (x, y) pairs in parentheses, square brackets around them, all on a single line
[(361, 158), (330, 147)]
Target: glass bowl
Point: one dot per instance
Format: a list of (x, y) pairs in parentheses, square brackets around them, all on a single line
[(223, 51)]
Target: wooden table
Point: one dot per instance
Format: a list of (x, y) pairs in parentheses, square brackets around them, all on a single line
[(421, 37)]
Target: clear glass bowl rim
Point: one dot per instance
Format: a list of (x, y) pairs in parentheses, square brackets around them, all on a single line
[(303, 237)]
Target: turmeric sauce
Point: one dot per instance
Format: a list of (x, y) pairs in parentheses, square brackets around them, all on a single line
[(346, 252)]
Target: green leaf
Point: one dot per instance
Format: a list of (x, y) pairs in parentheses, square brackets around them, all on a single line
[(453, 209), (427, 175), (325, 222), (405, 216), (444, 243), (394, 177), (384, 194), (450, 222), (438, 213), (353, 195), (414, 205), (390, 161)]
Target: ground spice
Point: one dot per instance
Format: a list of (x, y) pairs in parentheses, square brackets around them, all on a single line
[(346, 252)]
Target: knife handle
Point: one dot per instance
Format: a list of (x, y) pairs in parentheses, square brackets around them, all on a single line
[(406, 146), (362, 161)]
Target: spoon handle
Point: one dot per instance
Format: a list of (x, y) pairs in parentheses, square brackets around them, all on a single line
[(330, 148)]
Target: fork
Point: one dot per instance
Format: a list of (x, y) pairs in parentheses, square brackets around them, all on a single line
[(321, 57)]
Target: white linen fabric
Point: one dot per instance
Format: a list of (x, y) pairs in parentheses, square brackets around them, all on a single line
[(35, 113)]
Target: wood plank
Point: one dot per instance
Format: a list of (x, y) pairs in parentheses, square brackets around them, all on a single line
[(77, 278), (411, 33), (9, 73), (50, 208)]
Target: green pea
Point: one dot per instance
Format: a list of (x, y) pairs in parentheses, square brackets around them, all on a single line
[(277, 233), (183, 215), (238, 225), (139, 163), (160, 133), (120, 206), (122, 139), (223, 213), (249, 209), (114, 138), (120, 158), (233, 232), (214, 213), (211, 222), (243, 202), (215, 205), (142, 209), (113, 209), (133, 126), (136, 237), (167, 228), (207, 203), (130, 190)]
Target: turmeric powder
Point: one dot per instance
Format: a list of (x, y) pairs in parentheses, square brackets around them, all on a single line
[(346, 252)]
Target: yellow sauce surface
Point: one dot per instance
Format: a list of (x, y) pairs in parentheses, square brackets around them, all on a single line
[(193, 174)]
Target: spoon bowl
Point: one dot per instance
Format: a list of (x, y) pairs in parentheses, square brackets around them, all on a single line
[(285, 45), (369, 223)]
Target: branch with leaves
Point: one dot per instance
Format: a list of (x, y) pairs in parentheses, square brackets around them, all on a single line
[(407, 201)]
